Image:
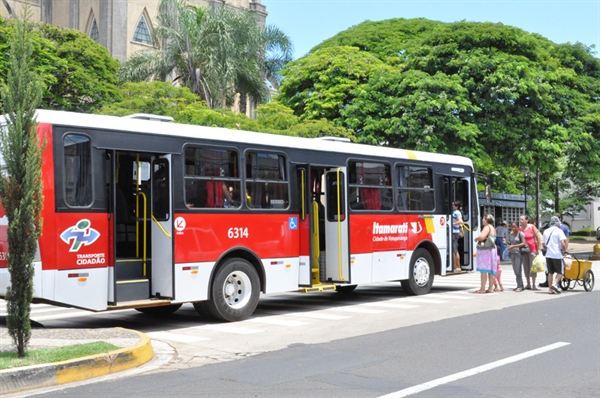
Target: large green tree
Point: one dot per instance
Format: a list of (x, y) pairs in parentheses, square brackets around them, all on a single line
[(216, 52), (504, 97), (78, 73), (21, 184), (161, 98)]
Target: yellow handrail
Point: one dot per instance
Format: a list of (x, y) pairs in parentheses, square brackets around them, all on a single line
[(339, 225), (160, 226), (303, 209), (316, 277), (145, 250)]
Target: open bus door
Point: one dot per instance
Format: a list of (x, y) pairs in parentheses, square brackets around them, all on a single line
[(141, 192), (458, 189), (337, 255)]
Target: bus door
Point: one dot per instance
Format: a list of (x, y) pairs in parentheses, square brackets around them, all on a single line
[(337, 253), (458, 189), (162, 229)]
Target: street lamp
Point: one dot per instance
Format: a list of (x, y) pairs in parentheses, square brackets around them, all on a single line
[(525, 170)]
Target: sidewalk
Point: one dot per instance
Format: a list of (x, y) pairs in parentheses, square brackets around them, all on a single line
[(136, 349)]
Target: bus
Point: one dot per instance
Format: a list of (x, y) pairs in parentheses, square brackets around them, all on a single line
[(140, 212)]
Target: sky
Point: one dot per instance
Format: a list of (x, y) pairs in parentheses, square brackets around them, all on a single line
[(309, 22)]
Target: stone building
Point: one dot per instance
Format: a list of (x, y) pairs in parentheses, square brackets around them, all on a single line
[(122, 26)]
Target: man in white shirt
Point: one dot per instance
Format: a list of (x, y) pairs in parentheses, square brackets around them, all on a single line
[(555, 242)]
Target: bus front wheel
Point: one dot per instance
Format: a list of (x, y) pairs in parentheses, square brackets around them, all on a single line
[(420, 273), (235, 291)]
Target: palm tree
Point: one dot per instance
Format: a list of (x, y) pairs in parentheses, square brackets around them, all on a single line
[(279, 52), (216, 52)]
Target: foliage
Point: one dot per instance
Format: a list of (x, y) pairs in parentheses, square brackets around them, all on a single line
[(279, 52), (502, 96), (78, 73), (21, 186), (161, 98), (158, 98), (50, 355), (216, 52)]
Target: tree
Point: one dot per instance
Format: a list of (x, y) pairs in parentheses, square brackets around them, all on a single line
[(279, 52), (495, 93), (161, 98), (216, 52), (78, 73), (21, 186)]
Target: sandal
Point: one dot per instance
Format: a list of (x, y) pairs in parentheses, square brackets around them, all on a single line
[(518, 290), (534, 288), (487, 291), (480, 292), (527, 287)]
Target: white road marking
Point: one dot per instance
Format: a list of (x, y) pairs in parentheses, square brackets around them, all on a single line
[(228, 329), (277, 321), (450, 296), (318, 315), (181, 338), (357, 310), (471, 372), (422, 300), (391, 305)]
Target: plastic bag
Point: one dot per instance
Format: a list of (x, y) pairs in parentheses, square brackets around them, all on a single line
[(568, 262), (539, 264)]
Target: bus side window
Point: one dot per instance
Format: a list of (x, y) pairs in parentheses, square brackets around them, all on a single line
[(78, 170)]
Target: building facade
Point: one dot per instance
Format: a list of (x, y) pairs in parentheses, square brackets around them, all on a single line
[(122, 26)]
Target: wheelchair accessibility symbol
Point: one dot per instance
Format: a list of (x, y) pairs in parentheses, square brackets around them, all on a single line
[(293, 223)]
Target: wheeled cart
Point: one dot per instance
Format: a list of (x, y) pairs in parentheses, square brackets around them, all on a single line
[(579, 273)]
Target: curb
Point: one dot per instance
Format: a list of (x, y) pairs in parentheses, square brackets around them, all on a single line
[(39, 376)]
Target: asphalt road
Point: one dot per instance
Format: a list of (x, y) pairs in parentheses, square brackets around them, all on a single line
[(460, 349), (374, 342)]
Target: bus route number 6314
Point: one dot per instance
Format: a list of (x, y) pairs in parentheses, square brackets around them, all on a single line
[(237, 233)]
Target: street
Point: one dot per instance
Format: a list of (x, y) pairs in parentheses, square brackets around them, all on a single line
[(370, 343)]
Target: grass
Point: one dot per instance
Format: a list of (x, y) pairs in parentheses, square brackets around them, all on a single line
[(49, 355)]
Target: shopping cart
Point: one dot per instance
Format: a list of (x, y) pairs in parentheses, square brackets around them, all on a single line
[(577, 272)]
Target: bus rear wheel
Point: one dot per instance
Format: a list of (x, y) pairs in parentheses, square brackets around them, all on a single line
[(420, 273), (234, 292)]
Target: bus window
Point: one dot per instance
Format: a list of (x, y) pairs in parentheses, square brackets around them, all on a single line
[(335, 196), (212, 178), (78, 170), (267, 185), (415, 188), (370, 186), (161, 201)]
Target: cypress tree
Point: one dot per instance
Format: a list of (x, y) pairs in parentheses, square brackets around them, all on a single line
[(20, 182)]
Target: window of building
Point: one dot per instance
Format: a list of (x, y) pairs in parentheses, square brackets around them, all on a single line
[(212, 178), (142, 32), (78, 170), (415, 188), (267, 184), (370, 186), (94, 30)]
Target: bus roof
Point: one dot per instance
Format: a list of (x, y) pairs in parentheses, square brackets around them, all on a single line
[(91, 121)]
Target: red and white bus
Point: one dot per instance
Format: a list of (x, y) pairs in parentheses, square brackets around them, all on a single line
[(149, 214)]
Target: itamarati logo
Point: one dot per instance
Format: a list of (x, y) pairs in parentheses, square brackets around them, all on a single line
[(80, 234)]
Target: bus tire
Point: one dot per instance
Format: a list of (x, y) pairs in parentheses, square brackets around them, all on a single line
[(235, 291), (163, 310), (420, 273)]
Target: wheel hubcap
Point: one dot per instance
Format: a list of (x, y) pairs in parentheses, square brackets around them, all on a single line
[(421, 272), (237, 289)]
